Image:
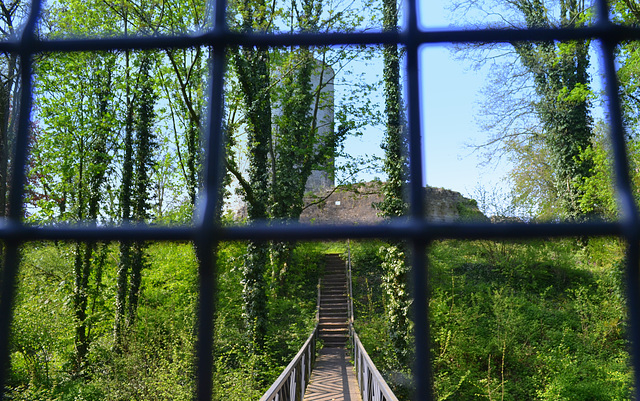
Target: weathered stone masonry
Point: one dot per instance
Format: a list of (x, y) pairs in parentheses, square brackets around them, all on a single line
[(354, 205)]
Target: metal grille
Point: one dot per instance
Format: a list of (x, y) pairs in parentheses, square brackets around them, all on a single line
[(416, 230)]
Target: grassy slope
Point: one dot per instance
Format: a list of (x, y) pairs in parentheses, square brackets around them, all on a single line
[(516, 321), (157, 363)]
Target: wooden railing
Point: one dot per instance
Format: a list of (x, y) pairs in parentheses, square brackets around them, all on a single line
[(292, 382), (372, 385)]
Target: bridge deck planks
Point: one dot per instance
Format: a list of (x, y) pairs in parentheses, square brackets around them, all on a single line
[(333, 378)]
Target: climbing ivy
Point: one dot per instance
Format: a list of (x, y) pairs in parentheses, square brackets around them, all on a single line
[(394, 264)]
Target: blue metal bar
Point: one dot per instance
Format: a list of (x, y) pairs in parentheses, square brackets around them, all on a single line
[(206, 231), (421, 230), (12, 255), (220, 37)]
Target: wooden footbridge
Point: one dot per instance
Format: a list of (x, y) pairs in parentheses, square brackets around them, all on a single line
[(333, 372)]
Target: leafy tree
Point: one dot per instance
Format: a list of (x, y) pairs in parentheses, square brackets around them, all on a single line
[(145, 144), (280, 112), (627, 12), (78, 139), (11, 15), (599, 195), (252, 65), (533, 177), (394, 264), (554, 99)]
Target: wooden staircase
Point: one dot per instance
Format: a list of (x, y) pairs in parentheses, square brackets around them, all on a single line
[(334, 318)]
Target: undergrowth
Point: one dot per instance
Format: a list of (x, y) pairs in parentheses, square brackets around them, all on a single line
[(534, 320)]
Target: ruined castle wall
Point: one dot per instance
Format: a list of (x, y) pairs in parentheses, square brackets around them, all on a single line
[(355, 205)]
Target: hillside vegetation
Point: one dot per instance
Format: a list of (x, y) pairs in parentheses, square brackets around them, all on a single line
[(157, 357), (538, 320)]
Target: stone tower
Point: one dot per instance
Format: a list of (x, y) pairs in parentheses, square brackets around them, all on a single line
[(324, 108)]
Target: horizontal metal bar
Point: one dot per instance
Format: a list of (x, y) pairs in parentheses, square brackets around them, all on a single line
[(219, 38), (420, 230)]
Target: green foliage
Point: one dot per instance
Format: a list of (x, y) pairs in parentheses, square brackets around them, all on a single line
[(533, 179), (538, 320), (562, 82), (599, 198), (628, 61), (290, 320), (534, 310), (155, 360), (539, 104), (468, 211), (366, 274)]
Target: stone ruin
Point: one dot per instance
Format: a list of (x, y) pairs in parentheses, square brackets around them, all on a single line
[(354, 204)]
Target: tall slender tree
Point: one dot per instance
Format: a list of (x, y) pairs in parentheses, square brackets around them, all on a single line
[(145, 144), (252, 65), (560, 74), (544, 96), (77, 147), (11, 14), (394, 266)]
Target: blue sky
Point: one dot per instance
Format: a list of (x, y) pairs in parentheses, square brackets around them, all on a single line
[(450, 95)]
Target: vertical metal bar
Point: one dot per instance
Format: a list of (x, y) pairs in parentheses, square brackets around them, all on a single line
[(628, 209), (416, 196), (12, 257), (422, 366), (206, 241), (209, 203)]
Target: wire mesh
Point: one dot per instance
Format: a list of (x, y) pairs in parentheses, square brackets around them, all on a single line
[(205, 232)]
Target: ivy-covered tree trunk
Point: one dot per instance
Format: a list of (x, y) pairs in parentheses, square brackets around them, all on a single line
[(295, 134), (298, 145), (93, 164), (253, 72), (134, 196), (82, 269), (561, 80), (122, 280), (145, 141), (394, 264)]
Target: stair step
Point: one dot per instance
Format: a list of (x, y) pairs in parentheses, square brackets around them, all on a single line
[(326, 319), (333, 336), (333, 308), (335, 297), (335, 325), (342, 313), (334, 321), (338, 330), (334, 302)]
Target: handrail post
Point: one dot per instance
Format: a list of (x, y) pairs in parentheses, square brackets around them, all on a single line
[(318, 300), (350, 287), (372, 384), (292, 382)]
